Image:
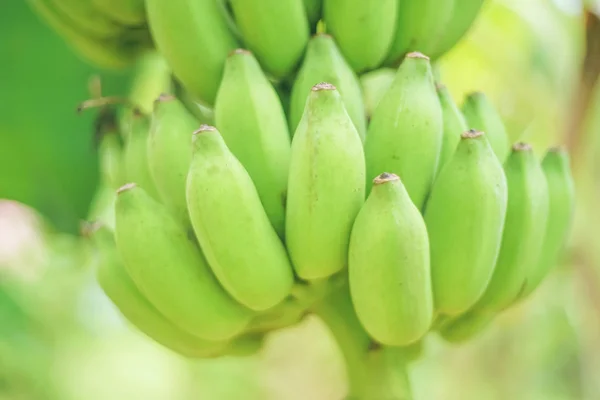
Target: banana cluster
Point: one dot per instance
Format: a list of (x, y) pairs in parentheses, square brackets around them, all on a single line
[(111, 34), (383, 185)]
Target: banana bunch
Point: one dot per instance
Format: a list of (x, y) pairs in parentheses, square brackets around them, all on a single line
[(111, 34), (225, 230)]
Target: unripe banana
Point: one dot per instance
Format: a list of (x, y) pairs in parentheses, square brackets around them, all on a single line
[(169, 269), (241, 246), (313, 12), (375, 85), (126, 12), (418, 22), (323, 62), (111, 161), (388, 269), (363, 30), (285, 314), (405, 133), (465, 327), (454, 125), (465, 217), (561, 194), (83, 14), (463, 14), (170, 152), (252, 122), (119, 287), (524, 229), (276, 31), (137, 167), (326, 186), (481, 115), (194, 38)]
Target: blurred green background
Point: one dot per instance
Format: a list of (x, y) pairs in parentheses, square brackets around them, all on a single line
[(60, 338)]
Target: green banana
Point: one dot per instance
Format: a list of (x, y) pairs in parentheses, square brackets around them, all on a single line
[(465, 327), (481, 115), (194, 38), (135, 157), (283, 315), (463, 14), (418, 22), (454, 125), (125, 12), (326, 186), (388, 268), (170, 152), (374, 86), (169, 269), (465, 217), (232, 227), (524, 229), (83, 14), (313, 12), (118, 286), (152, 77), (405, 133), (323, 62), (251, 119), (111, 160), (363, 30), (276, 31), (561, 193)]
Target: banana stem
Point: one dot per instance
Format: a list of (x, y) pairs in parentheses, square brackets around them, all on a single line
[(373, 372)]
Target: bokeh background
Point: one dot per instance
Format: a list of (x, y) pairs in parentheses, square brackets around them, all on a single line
[(60, 337)]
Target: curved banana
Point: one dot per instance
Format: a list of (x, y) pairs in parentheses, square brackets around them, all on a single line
[(326, 186), (111, 160), (465, 217), (169, 269), (405, 133), (388, 268), (125, 12), (375, 85), (170, 152), (276, 31), (137, 167), (481, 115), (152, 76), (454, 125), (363, 30), (83, 14), (118, 286), (524, 229), (251, 119), (463, 14), (323, 62), (460, 329), (419, 24), (313, 12), (241, 246), (194, 38), (561, 194)]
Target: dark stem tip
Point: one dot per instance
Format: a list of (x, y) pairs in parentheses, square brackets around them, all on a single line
[(239, 51), (164, 97), (205, 128), (521, 146), (88, 228), (385, 178), (126, 187), (416, 54), (323, 86), (471, 134)]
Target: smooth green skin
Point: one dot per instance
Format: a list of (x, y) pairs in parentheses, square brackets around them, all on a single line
[(466, 327), (122, 291), (194, 38), (481, 115), (363, 30), (323, 62), (276, 31), (169, 269), (326, 187), (313, 11), (136, 163), (111, 160), (126, 12), (462, 17), (418, 21), (83, 14), (388, 268), (233, 229), (170, 153), (524, 230), (561, 193), (251, 120), (374, 86), (405, 133), (465, 217), (454, 125)]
